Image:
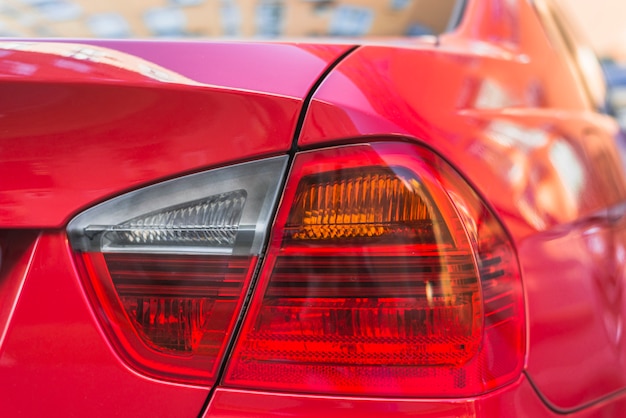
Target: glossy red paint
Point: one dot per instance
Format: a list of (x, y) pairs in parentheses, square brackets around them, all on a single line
[(86, 123), (516, 400), (283, 69)]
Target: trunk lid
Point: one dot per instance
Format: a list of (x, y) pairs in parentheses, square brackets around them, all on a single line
[(84, 121)]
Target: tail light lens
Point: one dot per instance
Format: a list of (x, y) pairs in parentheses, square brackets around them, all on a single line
[(386, 275), (168, 266)]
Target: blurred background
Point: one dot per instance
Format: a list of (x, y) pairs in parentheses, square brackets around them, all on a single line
[(603, 22)]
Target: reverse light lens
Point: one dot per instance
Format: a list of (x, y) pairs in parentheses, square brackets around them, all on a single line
[(386, 275), (168, 266), (212, 221)]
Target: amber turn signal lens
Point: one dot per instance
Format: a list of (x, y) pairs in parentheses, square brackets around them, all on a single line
[(359, 203)]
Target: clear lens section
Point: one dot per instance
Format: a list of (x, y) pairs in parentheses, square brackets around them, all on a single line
[(222, 211), (168, 266), (211, 222)]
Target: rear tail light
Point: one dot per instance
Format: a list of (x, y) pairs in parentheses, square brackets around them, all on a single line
[(385, 275), (168, 266)]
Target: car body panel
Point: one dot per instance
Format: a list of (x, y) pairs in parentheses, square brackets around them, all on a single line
[(516, 400), (121, 121), (283, 69)]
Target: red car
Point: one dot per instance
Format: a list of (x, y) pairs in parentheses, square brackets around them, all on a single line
[(426, 227)]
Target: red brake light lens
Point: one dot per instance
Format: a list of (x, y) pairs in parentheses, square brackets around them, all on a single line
[(168, 266), (386, 275)]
